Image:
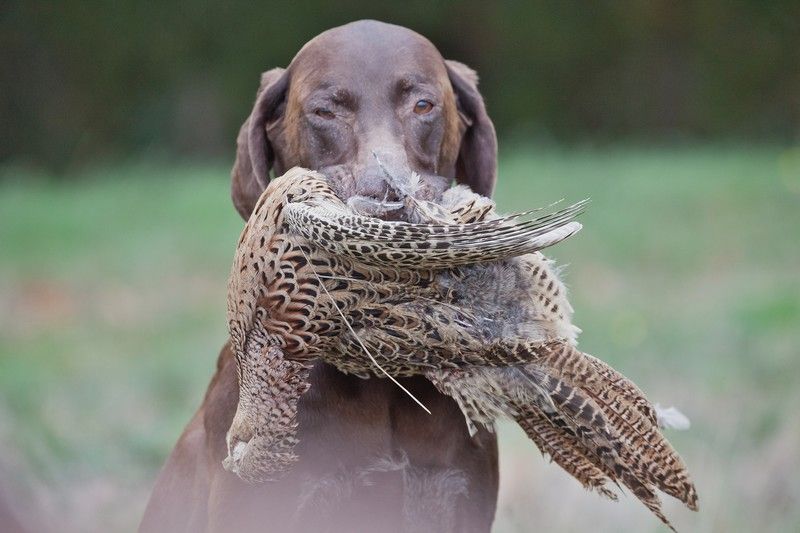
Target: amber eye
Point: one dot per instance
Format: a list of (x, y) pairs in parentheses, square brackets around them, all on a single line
[(423, 107), (327, 114)]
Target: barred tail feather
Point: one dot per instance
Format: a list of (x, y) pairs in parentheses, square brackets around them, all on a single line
[(566, 450), (399, 244), (630, 413), (594, 423)]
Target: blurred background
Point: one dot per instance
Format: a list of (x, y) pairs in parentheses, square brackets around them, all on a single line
[(680, 120)]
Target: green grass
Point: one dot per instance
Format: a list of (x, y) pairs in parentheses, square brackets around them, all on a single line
[(686, 277)]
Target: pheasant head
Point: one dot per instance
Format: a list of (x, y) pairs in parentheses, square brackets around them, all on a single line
[(262, 436)]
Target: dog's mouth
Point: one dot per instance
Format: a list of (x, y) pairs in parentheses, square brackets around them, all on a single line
[(384, 209), (404, 201), (410, 209)]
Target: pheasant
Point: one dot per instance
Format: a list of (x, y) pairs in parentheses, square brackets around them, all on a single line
[(459, 295)]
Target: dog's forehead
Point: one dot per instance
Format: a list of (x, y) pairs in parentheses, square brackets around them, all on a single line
[(367, 53)]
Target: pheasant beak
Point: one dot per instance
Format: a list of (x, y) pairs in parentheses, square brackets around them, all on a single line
[(236, 454), (238, 442)]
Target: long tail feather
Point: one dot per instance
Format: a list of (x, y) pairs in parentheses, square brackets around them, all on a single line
[(593, 422), (630, 413), (399, 244), (566, 450)]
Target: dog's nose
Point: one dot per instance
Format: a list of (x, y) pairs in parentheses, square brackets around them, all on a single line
[(376, 187), (383, 174)]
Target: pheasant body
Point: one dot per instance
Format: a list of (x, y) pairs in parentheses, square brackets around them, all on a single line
[(467, 301)]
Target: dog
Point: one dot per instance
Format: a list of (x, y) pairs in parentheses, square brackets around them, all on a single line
[(358, 103)]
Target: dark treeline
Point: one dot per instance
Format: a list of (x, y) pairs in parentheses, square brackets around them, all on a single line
[(84, 80)]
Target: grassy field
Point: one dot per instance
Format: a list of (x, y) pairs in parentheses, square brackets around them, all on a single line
[(686, 277)]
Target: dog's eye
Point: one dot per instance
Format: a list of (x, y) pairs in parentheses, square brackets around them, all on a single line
[(327, 114), (423, 107)]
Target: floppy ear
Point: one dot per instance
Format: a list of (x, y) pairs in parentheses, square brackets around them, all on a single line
[(254, 155), (477, 157)]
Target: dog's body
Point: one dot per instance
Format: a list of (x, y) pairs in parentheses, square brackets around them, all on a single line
[(356, 102)]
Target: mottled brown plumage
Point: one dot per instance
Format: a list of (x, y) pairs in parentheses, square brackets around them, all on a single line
[(465, 300)]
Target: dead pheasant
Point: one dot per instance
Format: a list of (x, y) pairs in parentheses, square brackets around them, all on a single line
[(465, 300)]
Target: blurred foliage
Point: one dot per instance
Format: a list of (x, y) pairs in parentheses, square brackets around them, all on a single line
[(86, 80), (112, 309)]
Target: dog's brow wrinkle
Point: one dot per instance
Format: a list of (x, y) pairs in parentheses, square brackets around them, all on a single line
[(405, 84), (342, 96)]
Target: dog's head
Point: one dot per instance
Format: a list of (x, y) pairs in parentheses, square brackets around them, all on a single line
[(362, 103)]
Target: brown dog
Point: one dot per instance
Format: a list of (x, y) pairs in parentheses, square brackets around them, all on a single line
[(371, 460)]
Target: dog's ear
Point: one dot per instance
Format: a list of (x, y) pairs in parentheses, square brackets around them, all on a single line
[(477, 157), (254, 155)]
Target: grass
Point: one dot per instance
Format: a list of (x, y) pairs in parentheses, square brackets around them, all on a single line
[(685, 277)]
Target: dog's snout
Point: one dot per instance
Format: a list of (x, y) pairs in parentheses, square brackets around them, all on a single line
[(383, 169), (377, 187)]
